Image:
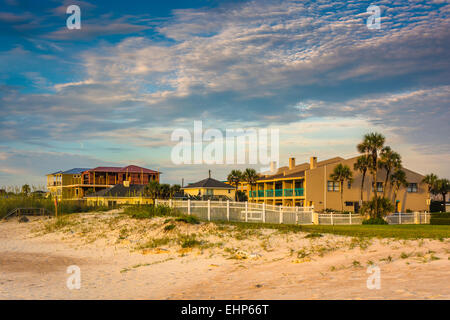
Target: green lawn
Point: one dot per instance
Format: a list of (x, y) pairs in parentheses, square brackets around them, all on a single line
[(411, 231)]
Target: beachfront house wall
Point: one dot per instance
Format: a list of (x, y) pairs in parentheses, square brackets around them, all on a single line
[(316, 191)]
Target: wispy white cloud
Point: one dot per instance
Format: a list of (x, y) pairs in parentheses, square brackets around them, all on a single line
[(261, 63)]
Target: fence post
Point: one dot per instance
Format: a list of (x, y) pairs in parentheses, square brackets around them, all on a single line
[(156, 202), (170, 203), (246, 211), (281, 214), (228, 210), (264, 212), (399, 218), (350, 217), (315, 217), (189, 207), (296, 215), (331, 216), (209, 210)]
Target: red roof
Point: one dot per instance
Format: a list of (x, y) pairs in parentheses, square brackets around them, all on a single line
[(129, 169)]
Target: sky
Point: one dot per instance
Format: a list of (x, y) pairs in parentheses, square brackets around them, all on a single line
[(112, 92)]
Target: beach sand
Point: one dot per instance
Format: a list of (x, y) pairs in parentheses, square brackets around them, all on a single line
[(119, 259)]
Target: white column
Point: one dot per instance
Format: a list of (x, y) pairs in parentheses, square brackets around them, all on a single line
[(209, 210), (189, 206), (264, 212), (246, 211), (228, 210)]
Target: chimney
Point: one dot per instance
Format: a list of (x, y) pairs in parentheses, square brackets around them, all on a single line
[(291, 163), (313, 163), (273, 166), (209, 173)]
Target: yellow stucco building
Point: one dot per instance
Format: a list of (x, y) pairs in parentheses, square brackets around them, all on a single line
[(210, 188), (309, 184), (124, 193)]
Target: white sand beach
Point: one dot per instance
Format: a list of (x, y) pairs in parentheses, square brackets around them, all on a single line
[(119, 259)]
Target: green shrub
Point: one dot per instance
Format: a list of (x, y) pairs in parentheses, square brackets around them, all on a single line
[(146, 212), (385, 207), (189, 241), (374, 221), (440, 218), (169, 227), (314, 235), (436, 206), (188, 219)]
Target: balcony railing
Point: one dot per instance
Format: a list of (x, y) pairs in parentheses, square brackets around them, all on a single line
[(297, 192)]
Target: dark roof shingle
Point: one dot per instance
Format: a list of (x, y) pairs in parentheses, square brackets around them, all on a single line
[(209, 183)]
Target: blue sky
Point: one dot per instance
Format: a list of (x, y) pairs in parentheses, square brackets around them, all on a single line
[(112, 92)]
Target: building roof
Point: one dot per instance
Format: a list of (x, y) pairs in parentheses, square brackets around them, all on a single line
[(119, 190), (208, 183), (129, 169), (297, 171), (75, 171)]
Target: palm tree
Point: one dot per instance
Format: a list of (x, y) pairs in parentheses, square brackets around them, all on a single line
[(173, 190), (430, 180), (341, 173), (26, 189), (164, 190), (389, 160), (442, 187), (250, 176), (153, 190), (398, 179), (234, 178), (361, 165), (371, 146)]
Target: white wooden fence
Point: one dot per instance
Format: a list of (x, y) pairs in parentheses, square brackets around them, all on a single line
[(408, 218), (264, 213), (336, 219), (241, 211)]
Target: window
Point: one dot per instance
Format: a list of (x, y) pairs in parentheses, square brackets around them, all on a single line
[(229, 191), (412, 187), (333, 186), (349, 185), (379, 186), (348, 204), (209, 192)]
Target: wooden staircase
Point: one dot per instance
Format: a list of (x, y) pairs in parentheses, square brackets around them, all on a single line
[(28, 212)]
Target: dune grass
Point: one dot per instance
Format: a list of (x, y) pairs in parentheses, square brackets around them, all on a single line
[(148, 212), (10, 203)]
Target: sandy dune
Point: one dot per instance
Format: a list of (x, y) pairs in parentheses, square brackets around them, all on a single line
[(117, 262)]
